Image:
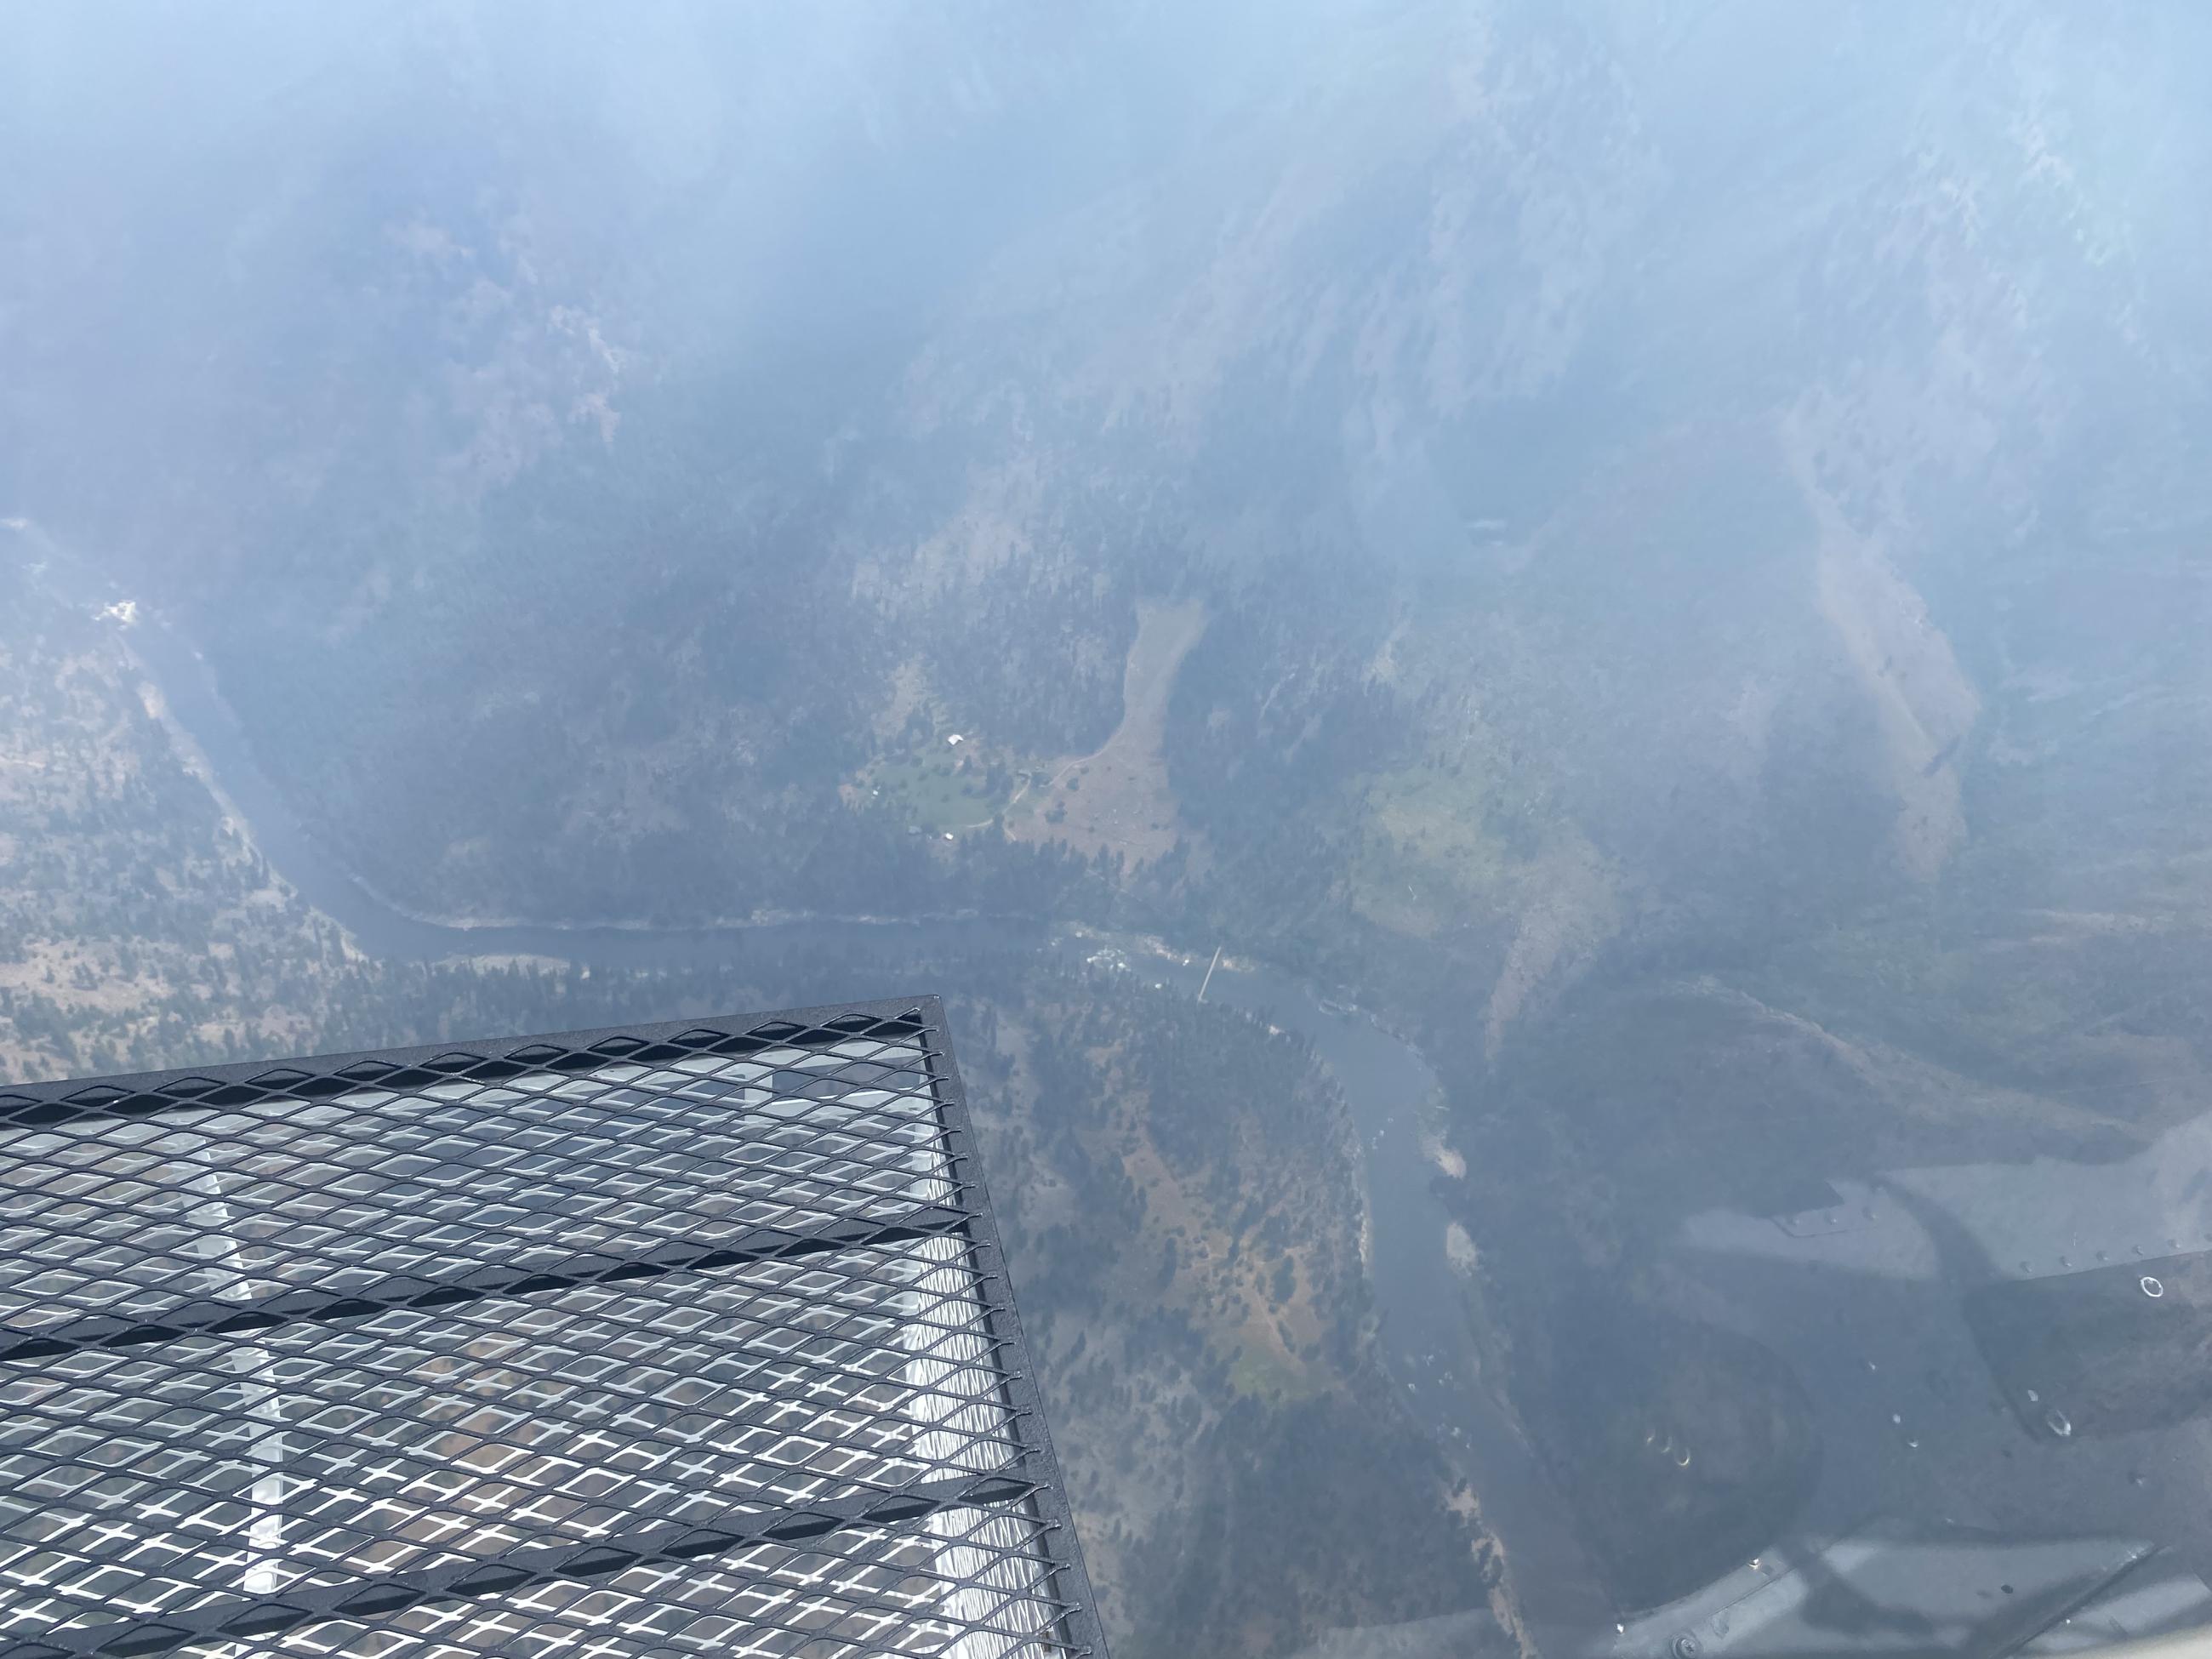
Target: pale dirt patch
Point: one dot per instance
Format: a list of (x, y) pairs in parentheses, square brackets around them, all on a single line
[(1505, 1605), (1459, 1249), (909, 691), (1922, 698), (1120, 800), (1572, 906)]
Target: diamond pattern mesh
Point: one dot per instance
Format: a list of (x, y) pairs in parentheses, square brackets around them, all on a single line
[(682, 1340)]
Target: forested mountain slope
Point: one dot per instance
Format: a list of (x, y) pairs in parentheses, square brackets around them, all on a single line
[(1662, 547)]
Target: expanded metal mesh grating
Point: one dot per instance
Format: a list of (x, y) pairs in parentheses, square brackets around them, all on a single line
[(691, 1339)]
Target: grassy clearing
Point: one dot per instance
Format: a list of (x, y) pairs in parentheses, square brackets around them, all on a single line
[(1428, 852), (1261, 1372), (942, 789)]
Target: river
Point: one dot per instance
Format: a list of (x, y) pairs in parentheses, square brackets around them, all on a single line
[(1386, 1080)]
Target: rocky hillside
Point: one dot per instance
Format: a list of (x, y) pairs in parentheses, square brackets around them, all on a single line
[(1642, 461)]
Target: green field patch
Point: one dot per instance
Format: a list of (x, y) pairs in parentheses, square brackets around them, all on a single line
[(1259, 1372), (938, 791), (1428, 848)]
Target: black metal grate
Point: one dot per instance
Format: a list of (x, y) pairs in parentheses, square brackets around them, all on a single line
[(692, 1339)]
